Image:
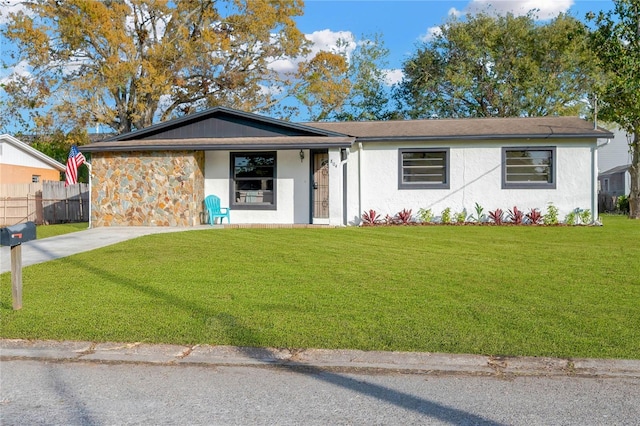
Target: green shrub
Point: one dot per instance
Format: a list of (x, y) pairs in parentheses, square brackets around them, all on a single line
[(425, 215), (622, 204), (551, 217), (461, 217), (479, 217), (446, 215)]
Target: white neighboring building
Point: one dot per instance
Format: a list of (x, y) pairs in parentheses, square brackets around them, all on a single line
[(19, 163), (275, 172), (616, 152)]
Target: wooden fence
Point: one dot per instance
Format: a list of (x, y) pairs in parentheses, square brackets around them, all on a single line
[(47, 202)]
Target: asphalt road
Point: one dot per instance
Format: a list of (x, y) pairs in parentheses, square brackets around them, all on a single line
[(89, 393)]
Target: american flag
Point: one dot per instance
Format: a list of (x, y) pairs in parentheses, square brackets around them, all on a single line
[(75, 160)]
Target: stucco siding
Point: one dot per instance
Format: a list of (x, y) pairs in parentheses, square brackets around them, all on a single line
[(22, 174), (475, 176), (147, 188), (292, 188)]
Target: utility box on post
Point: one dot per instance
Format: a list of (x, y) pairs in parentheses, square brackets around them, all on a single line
[(14, 236), (17, 234)]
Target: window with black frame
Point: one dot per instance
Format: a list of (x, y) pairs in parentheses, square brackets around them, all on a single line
[(253, 180), (528, 168), (423, 168)]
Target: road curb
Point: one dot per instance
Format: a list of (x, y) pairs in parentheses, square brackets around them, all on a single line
[(322, 359)]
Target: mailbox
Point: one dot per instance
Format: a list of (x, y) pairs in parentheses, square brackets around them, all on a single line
[(17, 234)]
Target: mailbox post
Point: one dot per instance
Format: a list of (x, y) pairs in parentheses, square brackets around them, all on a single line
[(14, 236)]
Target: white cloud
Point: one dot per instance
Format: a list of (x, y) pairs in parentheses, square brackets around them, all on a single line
[(542, 9), (432, 33), (328, 40), (10, 6), (454, 12), (393, 76), (21, 69), (324, 40)]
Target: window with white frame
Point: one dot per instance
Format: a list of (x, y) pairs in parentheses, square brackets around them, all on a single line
[(524, 168), (424, 168), (35, 178), (253, 180)]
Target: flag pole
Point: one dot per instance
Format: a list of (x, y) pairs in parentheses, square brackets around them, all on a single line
[(90, 173)]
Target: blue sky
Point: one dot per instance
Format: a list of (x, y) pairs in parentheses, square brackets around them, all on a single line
[(405, 23), (402, 24)]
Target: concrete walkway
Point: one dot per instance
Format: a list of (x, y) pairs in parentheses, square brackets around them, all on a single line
[(66, 245), (331, 360), (38, 251)]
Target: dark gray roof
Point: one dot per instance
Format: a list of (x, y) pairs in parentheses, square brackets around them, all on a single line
[(212, 144), (467, 128), (617, 169), (224, 129)]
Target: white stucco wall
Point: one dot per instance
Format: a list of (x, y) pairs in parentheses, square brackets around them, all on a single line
[(476, 176), (335, 188), (292, 188), (372, 182)]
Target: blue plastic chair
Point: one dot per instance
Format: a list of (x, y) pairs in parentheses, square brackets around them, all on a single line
[(212, 203)]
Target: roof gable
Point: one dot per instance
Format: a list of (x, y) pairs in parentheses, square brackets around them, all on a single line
[(221, 122), (32, 152)]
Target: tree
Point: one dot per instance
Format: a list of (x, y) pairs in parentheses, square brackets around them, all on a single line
[(58, 144), (616, 42), (325, 85), (369, 98), (128, 64), (500, 66)]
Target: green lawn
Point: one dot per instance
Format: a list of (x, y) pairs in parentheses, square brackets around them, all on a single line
[(540, 291), (46, 231)]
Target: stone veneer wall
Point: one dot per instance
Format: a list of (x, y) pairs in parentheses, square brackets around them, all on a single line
[(157, 188)]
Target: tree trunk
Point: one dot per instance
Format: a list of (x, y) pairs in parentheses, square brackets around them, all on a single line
[(634, 171)]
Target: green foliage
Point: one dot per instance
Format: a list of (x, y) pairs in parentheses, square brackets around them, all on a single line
[(58, 144), (505, 66), (369, 98), (622, 204), (585, 216), (616, 43), (445, 216), (570, 219), (46, 231), (425, 215), (551, 216), (460, 217), (398, 294), (479, 216)]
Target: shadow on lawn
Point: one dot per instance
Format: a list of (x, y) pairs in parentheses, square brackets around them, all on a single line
[(233, 327)]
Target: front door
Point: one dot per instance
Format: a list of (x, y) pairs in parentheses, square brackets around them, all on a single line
[(320, 190)]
